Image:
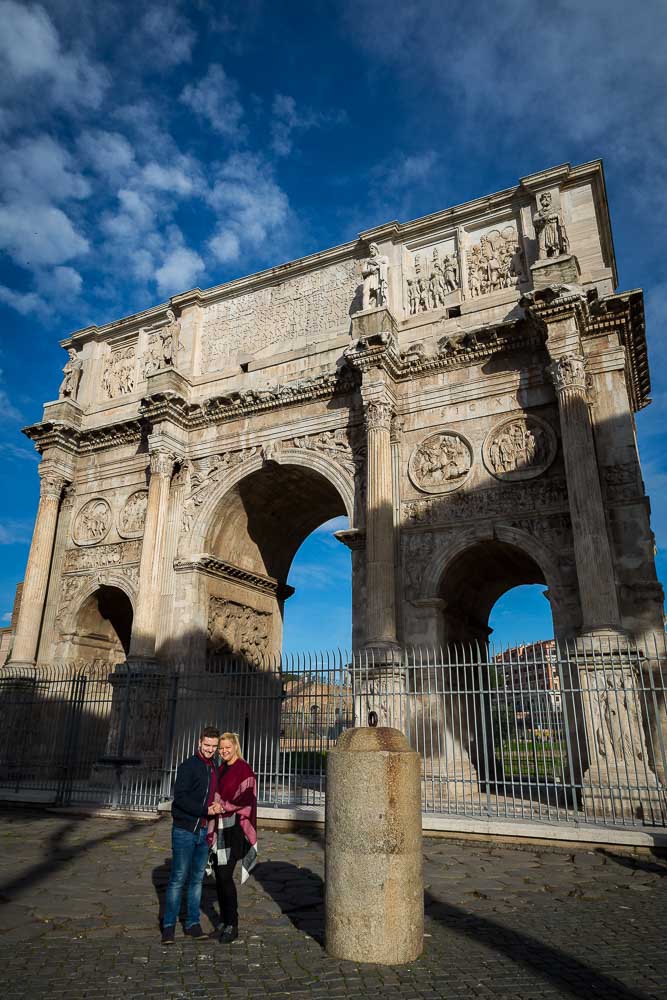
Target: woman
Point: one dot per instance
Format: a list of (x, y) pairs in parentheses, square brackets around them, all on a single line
[(236, 839)]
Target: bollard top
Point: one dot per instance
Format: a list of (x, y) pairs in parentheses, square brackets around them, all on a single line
[(366, 739)]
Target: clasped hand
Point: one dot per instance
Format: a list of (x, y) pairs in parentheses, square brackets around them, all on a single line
[(215, 809)]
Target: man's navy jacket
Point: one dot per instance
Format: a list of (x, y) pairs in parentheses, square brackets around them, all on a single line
[(191, 792)]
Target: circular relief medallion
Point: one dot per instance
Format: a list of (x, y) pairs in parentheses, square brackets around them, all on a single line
[(519, 448), (92, 522), (441, 463), (132, 517)]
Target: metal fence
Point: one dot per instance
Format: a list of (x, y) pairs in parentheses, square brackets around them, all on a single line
[(536, 732)]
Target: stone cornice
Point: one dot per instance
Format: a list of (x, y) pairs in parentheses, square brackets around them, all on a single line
[(621, 313), (218, 568), (49, 434), (53, 434)]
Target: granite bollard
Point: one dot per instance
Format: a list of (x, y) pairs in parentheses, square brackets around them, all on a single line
[(373, 867)]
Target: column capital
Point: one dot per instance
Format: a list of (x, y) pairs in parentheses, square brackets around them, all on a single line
[(52, 483), (378, 414), (568, 372), (162, 462)]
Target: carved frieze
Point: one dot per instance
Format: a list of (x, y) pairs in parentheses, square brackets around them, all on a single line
[(621, 482), (441, 463), (204, 474), (102, 555), (554, 530), (612, 705), (132, 517), (517, 498), (118, 376), (494, 262), (333, 443), (418, 547), (93, 522), (519, 448), (434, 276), (307, 305), (238, 629)]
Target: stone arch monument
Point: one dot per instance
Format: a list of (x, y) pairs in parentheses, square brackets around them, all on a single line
[(462, 387)]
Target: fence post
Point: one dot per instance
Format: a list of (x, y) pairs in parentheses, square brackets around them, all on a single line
[(165, 791), (73, 732)]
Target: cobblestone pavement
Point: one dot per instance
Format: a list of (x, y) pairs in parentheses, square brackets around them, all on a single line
[(81, 900)]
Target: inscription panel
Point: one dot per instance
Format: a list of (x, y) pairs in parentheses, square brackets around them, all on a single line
[(307, 305)]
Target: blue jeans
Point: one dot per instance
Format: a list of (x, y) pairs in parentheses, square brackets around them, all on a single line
[(190, 854)]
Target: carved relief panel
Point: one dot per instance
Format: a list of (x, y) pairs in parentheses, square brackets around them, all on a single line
[(441, 463), (102, 556), (119, 375), (132, 517), (494, 259), (237, 628), (305, 305), (519, 448), (93, 522), (432, 274)]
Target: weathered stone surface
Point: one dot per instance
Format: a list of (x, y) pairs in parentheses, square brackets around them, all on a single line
[(374, 884)]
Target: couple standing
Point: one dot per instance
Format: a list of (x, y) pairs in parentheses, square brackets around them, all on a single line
[(214, 812)]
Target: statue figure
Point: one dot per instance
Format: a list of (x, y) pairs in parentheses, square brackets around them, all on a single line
[(170, 339), (421, 286), (374, 270), (69, 386), (551, 236), (438, 287)]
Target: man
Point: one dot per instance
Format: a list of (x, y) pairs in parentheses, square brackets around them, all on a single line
[(194, 791)]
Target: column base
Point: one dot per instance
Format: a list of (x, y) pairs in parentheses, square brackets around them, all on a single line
[(613, 794)]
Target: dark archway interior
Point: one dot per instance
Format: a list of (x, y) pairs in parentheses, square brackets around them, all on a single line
[(264, 519), (475, 581), (105, 620)]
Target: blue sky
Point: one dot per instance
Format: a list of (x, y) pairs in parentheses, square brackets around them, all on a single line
[(150, 148)]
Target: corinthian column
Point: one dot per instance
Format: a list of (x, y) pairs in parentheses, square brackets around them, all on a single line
[(592, 551), (37, 571), (152, 550), (380, 569)]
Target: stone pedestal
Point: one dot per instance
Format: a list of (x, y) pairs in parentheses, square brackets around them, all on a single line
[(618, 783), (562, 270), (374, 890)]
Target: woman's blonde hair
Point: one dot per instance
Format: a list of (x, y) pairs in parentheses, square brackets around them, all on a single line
[(232, 738)]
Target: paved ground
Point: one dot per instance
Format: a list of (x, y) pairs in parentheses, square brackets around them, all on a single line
[(80, 919)]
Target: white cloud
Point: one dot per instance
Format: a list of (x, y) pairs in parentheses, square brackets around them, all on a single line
[(40, 169), (7, 409), (37, 235), (214, 98), (24, 303), (165, 33), (175, 179), (249, 203), (33, 57), (108, 153), (15, 532), (13, 452), (287, 119), (225, 246), (63, 281), (179, 270)]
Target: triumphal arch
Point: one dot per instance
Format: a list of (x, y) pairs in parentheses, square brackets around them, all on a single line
[(462, 387)]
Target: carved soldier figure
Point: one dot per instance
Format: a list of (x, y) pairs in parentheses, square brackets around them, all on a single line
[(69, 386), (451, 278), (551, 236), (421, 286), (169, 337), (375, 272)]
